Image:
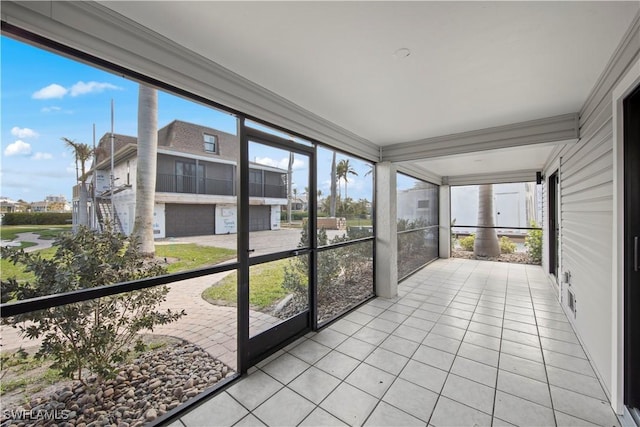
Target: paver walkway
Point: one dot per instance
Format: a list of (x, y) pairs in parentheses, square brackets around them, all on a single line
[(212, 327), (31, 238)]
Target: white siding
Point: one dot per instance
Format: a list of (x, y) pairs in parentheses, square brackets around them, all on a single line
[(586, 185), (586, 221)]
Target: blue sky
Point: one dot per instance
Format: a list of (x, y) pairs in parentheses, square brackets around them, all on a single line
[(45, 97)]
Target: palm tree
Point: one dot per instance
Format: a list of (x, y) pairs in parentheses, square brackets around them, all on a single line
[(486, 242), (82, 154), (146, 168), (334, 180), (344, 169), (306, 196), (289, 182)]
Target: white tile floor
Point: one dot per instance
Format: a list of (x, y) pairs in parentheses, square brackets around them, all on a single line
[(465, 343)]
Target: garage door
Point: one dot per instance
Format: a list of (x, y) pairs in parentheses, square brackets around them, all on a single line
[(189, 220), (259, 218)]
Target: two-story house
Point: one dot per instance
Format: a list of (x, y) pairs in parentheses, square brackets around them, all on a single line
[(195, 183)]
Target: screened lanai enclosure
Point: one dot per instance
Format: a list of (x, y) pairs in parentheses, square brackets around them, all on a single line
[(263, 197)]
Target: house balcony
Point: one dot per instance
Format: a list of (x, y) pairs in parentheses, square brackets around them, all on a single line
[(267, 190), (76, 192), (171, 183)]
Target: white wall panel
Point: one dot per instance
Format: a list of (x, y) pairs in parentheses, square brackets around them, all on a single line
[(586, 218), (586, 186)]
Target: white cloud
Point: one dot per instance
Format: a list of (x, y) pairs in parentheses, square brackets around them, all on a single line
[(281, 164), (42, 156), (50, 109), (298, 164), (267, 161), (54, 90), (82, 88), (18, 148), (23, 132)]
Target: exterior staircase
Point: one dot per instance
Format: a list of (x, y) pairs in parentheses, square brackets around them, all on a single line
[(107, 213)]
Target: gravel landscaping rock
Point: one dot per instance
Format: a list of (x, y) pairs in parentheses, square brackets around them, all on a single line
[(153, 384), (342, 295)]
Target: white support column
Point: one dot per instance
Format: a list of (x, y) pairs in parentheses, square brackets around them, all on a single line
[(386, 231), (445, 222)]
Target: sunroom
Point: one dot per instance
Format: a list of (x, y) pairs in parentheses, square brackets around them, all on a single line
[(363, 109)]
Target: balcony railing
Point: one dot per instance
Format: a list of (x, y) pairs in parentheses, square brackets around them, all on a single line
[(267, 190), (170, 183)]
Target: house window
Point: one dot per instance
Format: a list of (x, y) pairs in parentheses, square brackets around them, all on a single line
[(423, 204), (210, 143), (186, 177)]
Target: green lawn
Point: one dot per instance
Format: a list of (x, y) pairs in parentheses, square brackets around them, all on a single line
[(24, 245), (190, 256), (26, 372), (357, 222), (46, 232), (8, 269), (265, 290)]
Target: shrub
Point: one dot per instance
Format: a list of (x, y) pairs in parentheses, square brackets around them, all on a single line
[(295, 215), (466, 243), (454, 236), (533, 243), (506, 245), (36, 218), (99, 333), (336, 268)]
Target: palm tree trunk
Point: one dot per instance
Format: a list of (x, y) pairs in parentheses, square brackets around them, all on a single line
[(486, 243), (332, 207), (289, 179), (146, 168), (83, 205)]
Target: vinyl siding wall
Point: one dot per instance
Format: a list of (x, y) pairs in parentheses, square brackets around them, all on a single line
[(586, 222)]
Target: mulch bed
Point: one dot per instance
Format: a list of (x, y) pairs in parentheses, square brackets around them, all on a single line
[(516, 257)]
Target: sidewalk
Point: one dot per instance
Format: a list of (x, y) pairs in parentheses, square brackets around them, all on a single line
[(31, 238)]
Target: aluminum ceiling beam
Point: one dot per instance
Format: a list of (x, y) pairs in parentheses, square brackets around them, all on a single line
[(557, 129)]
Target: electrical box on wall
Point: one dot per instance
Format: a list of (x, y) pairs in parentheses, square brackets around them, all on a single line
[(571, 302)]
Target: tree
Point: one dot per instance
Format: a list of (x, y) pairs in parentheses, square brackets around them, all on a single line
[(344, 169), (533, 242), (146, 169), (289, 179), (82, 153), (334, 181), (55, 207), (486, 243), (99, 333)]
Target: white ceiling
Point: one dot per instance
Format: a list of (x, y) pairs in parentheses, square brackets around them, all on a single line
[(503, 160), (473, 65)]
